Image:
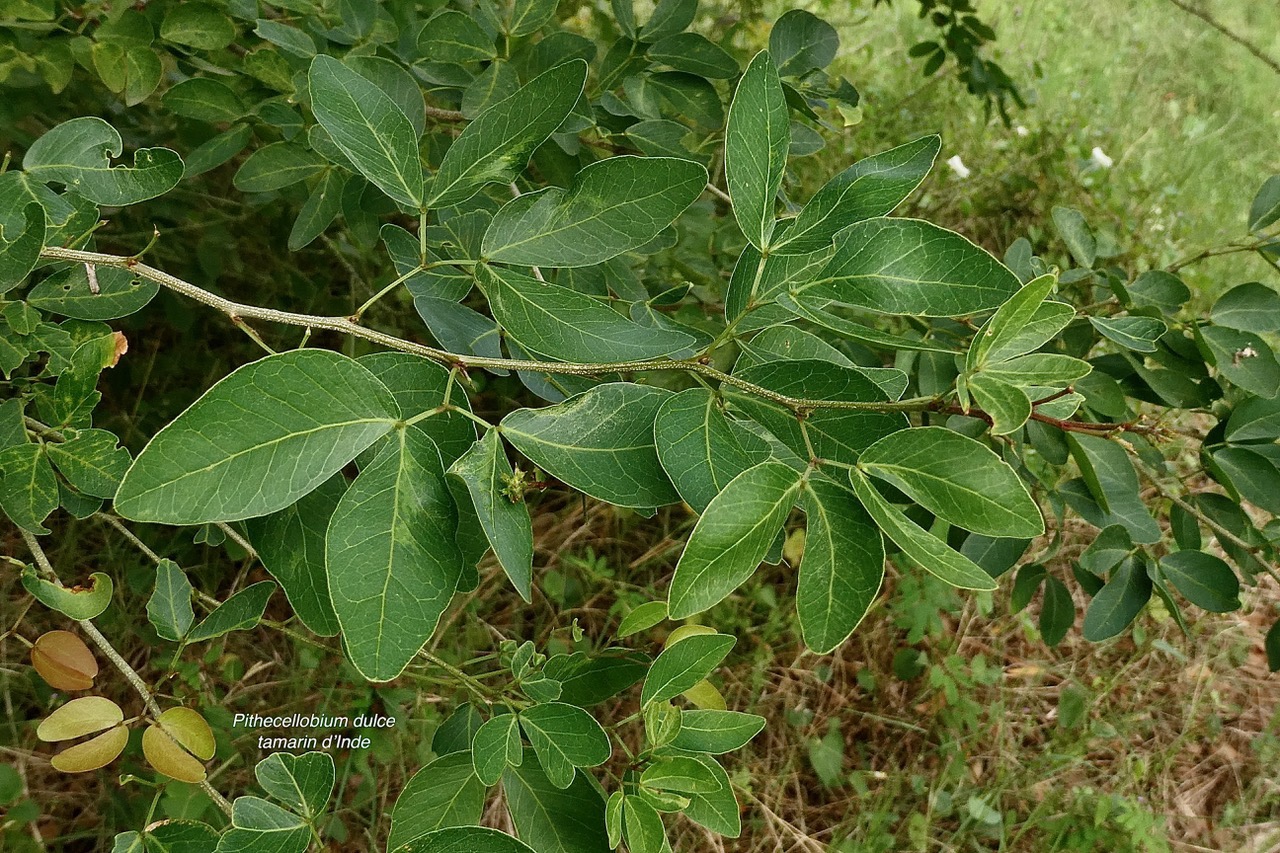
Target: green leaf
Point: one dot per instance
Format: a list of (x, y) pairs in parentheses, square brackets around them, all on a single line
[(484, 472), (1008, 406), (956, 478), (465, 839), (682, 665), (319, 210), (811, 310), (28, 487), (290, 544), (1111, 479), (1117, 603), (240, 612), (842, 567), (91, 461), (732, 537), (20, 249), (418, 386), (259, 826), (369, 128), (642, 618), (716, 732), (694, 53), (444, 793), (1049, 319), (1057, 613), (1040, 370), (392, 561), (564, 737), (551, 819), (217, 150), (300, 417), (78, 602), (304, 782), (680, 774), (1272, 645), (755, 149), (197, 25), (930, 552), (1159, 289), (1248, 474), (169, 608), (561, 323), (289, 39), (691, 97), (871, 187), (1075, 232), (906, 266), (801, 42), (1244, 359), (496, 146), (1265, 209), (1255, 419), (529, 16), (453, 36), (642, 827), (718, 811), (613, 206), (78, 153), (120, 294), (1205, 580), (700, 448), (1136, 333), (599, 442), (204, 99), (669, 17), (588, 679), (496, 745), (1005, 326), (613, 819), (1248, 307)]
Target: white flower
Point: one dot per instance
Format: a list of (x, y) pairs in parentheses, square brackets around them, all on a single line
[(1100, 159), (957, 165), (1021, 131)]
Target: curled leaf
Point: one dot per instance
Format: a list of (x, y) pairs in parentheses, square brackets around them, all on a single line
[(77, 602), (64, 661)]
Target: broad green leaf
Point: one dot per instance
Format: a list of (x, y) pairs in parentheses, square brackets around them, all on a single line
[(1040, 370), (93, 753), (1136, 333), (240, 612), (529, 16), (642, 618), (1159, 289), (300, 417), (956, 478), (290, 544), (78, 718), (554, 820), (1107, 550), (732, 537), (599, 442), (78, 602), (669, 17), (812, 310), (465, 839), (1117, 603), (217, 150), (564, 737), (1255, 419), (1248, 474), (682, 665), (179, 836), (289, 39), (691, 97), (390, 553), (20, 247), (756, 139), (700, 448), (1264, 211), (560, 323), (718, 811), (198, 25), (1205, 580), (613, 206), (418, 386), (78, 153), (369, 128), (396, 83), (587, 679), (930, 552), (1010, 319), (680, 774), (453, 36), (444, 793), (842, 567), (1049, 319), (642, 827), (205, 99), (302, 782), (91, 461), (800, 42), (169, 608), (1111, 479), (1008, 406), (716, 732), (497, 744), (259, 826), (319, 210), (275, 166), (1244, 359), (694, 53), (1248, 307), (1057, 612), (906, 266), (120, 294), (869, 188), (1075, 232), (496, 146), (613, 819), (484, 473)]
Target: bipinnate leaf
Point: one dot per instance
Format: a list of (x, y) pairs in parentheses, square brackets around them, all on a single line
[(484, 473), (496, 146), (78, 153), (76, 602), (757, 136), (599, 442), (957, 478), (560, 323), (732, 537), (369, 127), (930, 552), (391, 556), (907, 266), (563, 737), (869, 188), (64, 661), (613, 206), (298, 418), (842, 567), (682, 665), (302, 782), (79, 717)]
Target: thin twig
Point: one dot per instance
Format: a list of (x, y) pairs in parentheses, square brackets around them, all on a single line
[(1229, 33)]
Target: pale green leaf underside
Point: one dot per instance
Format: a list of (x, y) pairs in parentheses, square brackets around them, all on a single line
[(482, 471), (757, 135)]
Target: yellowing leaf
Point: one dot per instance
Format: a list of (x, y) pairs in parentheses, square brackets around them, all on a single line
[(190, 730), (92, 754), (705, 696), (78, 718), (64, 661), (165, 755)]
